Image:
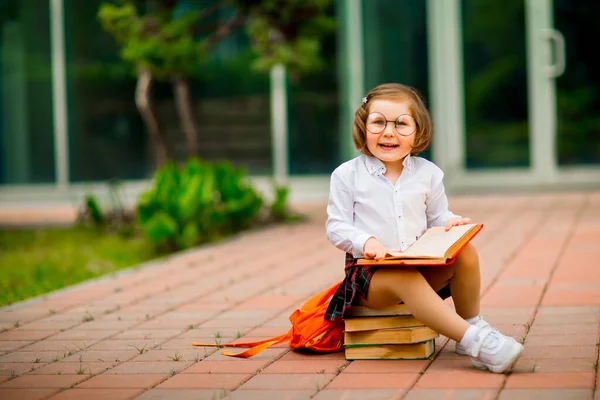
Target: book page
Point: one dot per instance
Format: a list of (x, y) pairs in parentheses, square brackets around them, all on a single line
[(434, 243)]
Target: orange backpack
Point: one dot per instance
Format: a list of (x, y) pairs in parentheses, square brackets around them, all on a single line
[(309, 330)]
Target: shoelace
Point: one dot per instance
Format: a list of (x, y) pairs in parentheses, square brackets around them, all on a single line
[(487, 337)]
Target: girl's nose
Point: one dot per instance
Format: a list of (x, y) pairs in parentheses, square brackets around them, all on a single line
[(389, 128)]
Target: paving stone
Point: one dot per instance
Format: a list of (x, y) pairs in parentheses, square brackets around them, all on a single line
[(171, 355), (451, 394), (26, 334), (80, 334), (26, 394), (29, 357), (74, 368), (373, 381), (205, 381), (239, 366), (59, 345), (583, 329), (588, 352), (43, 381), (130, 381), (254, 394), (98, 394), (147, 334), (541, 394), (305, 367), (551, 380), (528, 365), (19, 368), (359, 394), (562, 340), (167, 367), (288, 381), (12, 345), (185, 394), (473, 379), (102, 356), (387, 366)]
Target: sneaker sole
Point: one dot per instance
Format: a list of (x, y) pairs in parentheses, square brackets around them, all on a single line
[(502, 367)]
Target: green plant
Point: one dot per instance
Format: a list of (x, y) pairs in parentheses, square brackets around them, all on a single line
[(279, 208), (94, 211), (196, 203)]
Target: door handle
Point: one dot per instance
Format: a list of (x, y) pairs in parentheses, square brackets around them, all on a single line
[(560, 63)]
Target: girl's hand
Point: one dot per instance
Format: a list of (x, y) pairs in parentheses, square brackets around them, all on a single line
[(374, 249), (457, 221)]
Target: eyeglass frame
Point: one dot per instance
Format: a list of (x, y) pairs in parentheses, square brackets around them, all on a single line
[(386, 124)]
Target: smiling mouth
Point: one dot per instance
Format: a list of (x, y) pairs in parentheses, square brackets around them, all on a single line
[(388, 145)]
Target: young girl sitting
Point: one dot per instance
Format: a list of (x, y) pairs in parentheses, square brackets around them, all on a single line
[(385, 199)]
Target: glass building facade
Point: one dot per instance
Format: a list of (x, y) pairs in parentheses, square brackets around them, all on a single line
[(511, 85)]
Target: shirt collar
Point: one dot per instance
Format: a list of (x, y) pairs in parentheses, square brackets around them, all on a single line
[(374, 164)]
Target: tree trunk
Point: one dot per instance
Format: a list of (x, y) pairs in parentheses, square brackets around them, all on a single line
[(183, 103), (144, 106)]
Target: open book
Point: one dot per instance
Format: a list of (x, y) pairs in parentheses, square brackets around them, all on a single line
[(434, 247)]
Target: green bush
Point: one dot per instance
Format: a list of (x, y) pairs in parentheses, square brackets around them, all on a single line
[(196, 203)]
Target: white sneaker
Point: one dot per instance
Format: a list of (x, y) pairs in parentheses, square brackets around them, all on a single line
[(460, 349), (494, 351)]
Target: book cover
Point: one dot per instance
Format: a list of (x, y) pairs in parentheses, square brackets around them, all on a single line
[(417, 351), (383, 322), (390, 336), (362, 311)]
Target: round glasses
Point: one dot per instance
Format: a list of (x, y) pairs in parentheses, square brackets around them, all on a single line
[(405, 124)]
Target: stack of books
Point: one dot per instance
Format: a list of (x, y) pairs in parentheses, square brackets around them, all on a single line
[(392, 333)]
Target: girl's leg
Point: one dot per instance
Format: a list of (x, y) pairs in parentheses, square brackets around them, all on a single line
[(390, 286), (464, 278), (466, 283)]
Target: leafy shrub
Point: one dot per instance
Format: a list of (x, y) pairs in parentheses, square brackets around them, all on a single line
[(196, 203), (117, 219), (279, 208)]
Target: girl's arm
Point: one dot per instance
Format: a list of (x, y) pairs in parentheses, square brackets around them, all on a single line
[(437, 202), (340, 215)]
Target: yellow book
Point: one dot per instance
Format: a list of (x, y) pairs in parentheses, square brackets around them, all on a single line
[(390, 336), (414, 351), (383, 322), (362, 311)]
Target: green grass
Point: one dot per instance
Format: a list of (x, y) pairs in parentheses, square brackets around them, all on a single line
[(34, 262)]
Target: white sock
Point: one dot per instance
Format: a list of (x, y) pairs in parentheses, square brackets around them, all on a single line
[(474, 320), (467, 339)]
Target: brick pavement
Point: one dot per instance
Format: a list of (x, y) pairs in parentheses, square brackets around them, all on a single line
[(129, 336)]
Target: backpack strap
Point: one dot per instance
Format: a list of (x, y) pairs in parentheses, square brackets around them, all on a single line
[(257, 347)]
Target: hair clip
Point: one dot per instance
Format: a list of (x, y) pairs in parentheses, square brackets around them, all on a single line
[(364, 100)]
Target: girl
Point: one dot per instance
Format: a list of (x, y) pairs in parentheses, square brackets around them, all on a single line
[(385, 199)]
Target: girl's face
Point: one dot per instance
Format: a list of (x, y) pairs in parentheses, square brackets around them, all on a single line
[(389, 145)]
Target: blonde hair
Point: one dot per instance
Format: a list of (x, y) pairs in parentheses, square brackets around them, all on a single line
[(394, 91)]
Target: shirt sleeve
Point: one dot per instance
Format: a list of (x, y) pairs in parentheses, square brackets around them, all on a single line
[(340, 215), (437, 202)]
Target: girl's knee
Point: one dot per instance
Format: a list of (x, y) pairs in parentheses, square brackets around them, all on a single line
[(468, 256)]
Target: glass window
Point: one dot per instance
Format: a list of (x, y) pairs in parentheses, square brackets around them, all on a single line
[(395, 41), (107, 136), (26, 123), (495, 77), (314, 122), (578, 89)]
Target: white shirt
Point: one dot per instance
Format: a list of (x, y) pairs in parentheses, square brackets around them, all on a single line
[(363, 204)]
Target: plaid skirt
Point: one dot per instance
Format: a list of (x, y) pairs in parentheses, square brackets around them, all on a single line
[(358, 278)]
